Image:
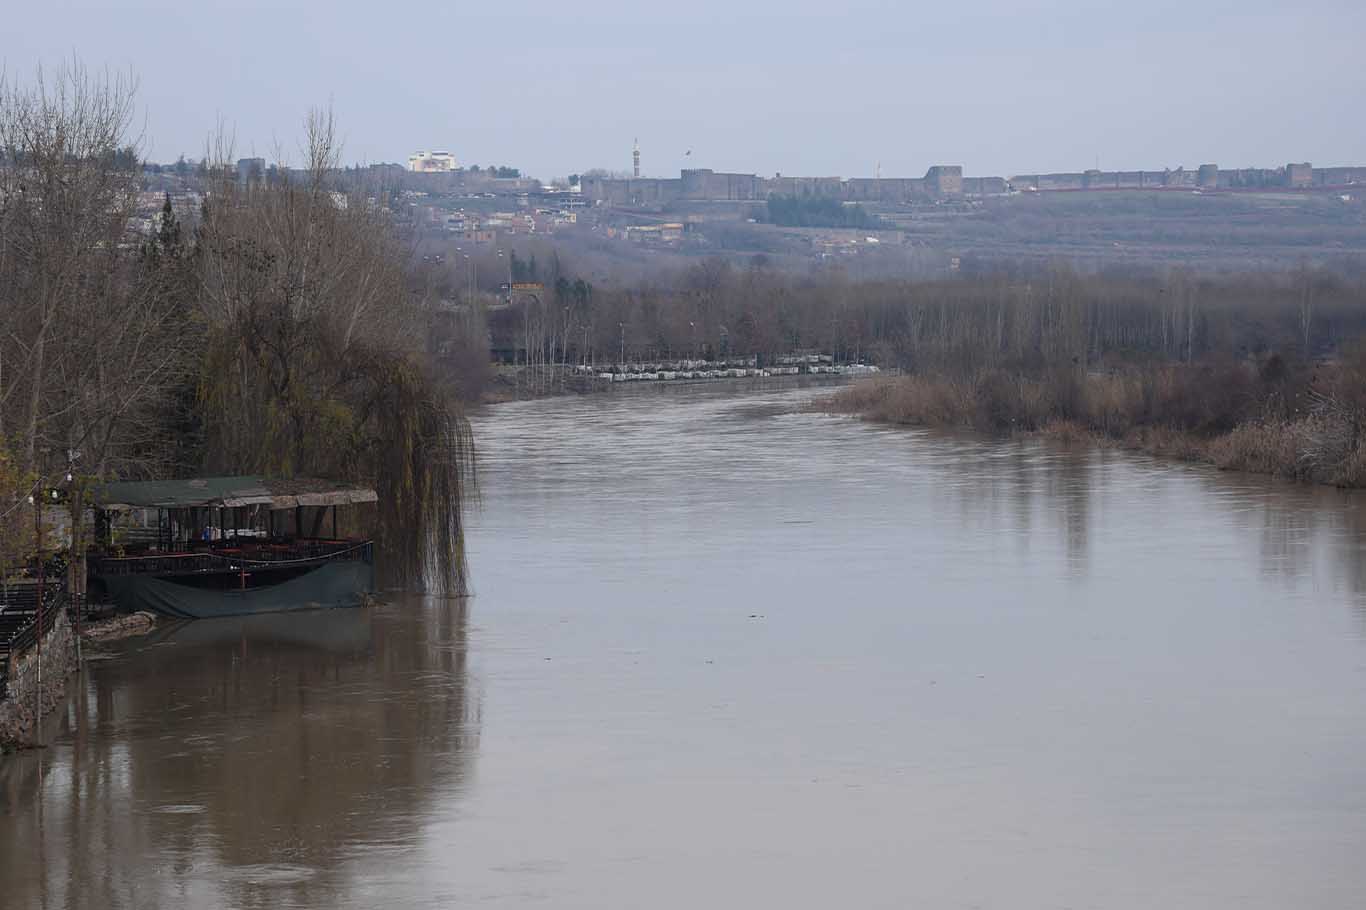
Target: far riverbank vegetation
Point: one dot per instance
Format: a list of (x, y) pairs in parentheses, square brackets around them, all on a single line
[(1266, 376)]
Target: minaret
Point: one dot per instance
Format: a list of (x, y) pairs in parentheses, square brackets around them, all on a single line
[(635, 158)]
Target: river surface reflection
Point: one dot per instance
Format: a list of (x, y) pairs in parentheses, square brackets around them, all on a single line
[(722, 653)]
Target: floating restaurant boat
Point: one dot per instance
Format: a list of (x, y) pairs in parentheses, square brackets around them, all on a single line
[(230, 546)]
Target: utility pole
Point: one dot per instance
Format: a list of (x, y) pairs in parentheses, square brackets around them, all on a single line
[(564, 348), (42, 578)]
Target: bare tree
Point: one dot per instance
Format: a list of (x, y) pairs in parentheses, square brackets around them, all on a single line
[(91, 334), (316, 354)]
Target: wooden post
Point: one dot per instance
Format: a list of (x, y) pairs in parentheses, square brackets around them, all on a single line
[(334, 522)]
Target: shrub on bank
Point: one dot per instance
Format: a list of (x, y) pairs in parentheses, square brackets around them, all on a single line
[(1262, 448), (1236, 415)]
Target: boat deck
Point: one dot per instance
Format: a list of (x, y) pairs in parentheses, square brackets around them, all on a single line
[(234, 556)]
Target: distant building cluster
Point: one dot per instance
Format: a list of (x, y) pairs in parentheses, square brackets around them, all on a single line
[(186, 205), (250, 170), (669, 233), (432, 162), (484, 228)]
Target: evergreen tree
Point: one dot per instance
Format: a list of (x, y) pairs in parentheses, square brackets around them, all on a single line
[(168, 233)]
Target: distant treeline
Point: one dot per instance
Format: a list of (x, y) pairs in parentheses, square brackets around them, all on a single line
[(1024, 319), (500, 171)]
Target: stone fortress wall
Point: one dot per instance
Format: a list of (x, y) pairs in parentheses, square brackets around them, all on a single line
[(948, 182)]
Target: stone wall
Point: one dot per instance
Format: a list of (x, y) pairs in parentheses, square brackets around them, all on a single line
[(1299, 175), (643, 191), (894, 190), (1180, 178), (1339, 176), (704, 183), (17, 717), (947, 181), (804, 187), (985, 186)]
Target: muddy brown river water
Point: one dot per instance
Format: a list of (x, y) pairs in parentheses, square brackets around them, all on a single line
[(722, 654)]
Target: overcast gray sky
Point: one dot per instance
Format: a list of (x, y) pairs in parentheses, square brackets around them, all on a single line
[(750, 85)]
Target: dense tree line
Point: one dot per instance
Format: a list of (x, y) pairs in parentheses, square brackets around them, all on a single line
[(1026, 318), (799, 211)]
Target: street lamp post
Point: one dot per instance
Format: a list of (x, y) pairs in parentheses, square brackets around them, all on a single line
[(509, 262), (37, 498), (622, 361)]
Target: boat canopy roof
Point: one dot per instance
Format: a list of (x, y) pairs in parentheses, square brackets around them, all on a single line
[(228, 492)]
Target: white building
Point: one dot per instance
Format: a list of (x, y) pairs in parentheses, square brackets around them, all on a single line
[(432, 162)]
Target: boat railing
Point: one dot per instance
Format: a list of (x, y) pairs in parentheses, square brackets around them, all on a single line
[(227, 557)]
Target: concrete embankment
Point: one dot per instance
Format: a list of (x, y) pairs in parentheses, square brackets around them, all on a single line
[(37, 684), (34, 691)]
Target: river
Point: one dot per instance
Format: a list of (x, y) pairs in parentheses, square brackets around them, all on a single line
[(726, 653)]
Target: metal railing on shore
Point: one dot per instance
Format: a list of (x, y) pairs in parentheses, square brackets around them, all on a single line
[(233, 558), (22, 623)]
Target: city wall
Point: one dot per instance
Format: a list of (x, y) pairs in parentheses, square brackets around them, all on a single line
[(705, 185), (948, 182)]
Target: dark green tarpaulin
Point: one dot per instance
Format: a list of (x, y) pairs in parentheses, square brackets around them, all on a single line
[(334, 584), (230, 492)]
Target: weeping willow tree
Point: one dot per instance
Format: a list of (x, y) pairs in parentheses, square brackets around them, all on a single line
[(314, 359)]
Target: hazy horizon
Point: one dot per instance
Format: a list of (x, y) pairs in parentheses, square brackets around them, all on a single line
[(797, 88)]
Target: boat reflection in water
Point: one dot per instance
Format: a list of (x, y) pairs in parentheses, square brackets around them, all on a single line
[(254, 761)]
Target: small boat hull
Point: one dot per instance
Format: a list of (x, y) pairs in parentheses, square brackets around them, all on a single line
[(341, 583)]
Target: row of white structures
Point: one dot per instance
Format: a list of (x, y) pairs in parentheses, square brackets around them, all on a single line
[(852, 369)]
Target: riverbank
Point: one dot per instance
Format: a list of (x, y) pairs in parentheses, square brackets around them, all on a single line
[(35, 684), (1232, 418)]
